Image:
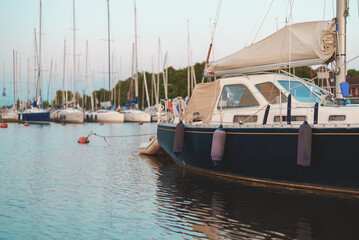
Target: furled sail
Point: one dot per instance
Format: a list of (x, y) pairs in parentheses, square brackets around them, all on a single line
[(300, 44)]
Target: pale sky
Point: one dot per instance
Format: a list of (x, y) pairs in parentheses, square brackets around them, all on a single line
[(238, 23)]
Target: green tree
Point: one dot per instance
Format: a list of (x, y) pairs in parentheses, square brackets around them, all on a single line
[(353, 73)]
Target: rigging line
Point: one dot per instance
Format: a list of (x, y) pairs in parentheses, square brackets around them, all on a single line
[(250, 35), (216, 19), (213, 31), (346, 62), (263, 21)]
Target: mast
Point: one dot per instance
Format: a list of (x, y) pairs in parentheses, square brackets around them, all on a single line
[(136, 61), (165, 80), (35, 67), (340, 58), (13, 76), (132, 77), (92, 102), (153, 84), (50, 84), (109, 49), (16, 78), (63, 77), (119, 85), (158, 72), (74, 39), (27, 84), (39, 70), (19, 81), (113, 83), (188, 71), (87, 57), (3, 84), (55, 83)]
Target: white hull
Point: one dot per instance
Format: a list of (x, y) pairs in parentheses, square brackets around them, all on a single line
[(150, 148), (136, 116), (69, 115), (10, 116), (106, 116)]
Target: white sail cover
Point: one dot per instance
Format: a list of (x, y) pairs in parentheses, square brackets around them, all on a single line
[(306, 43)]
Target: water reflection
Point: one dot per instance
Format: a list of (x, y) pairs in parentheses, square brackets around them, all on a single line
[(199, 205), (51, 187)]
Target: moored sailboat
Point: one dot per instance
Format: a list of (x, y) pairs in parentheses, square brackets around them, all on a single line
[(270, 127), (106, 115), (73, 114), (36, 113)]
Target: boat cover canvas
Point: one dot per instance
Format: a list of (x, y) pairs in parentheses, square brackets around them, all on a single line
[(202, 101), (296, 42)]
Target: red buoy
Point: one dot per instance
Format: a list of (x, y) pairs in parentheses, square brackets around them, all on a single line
[(3, 125), (27, 124), (101, 123), (140, 123), (83, 140)]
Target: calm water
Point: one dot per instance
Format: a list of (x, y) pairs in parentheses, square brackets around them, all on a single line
[(53, 188)]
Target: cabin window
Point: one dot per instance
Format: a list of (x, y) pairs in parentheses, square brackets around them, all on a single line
[(292, 118), (245, 118), (236, 96), (271, 92), (300, 91), (337, 118)]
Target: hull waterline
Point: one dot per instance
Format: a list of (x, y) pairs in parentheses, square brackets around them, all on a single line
[(270, 155)]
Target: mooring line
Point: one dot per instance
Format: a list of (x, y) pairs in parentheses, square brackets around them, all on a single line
[(104, 137)]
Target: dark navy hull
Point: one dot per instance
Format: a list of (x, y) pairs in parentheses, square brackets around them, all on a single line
[(270, 154), (43, 117)]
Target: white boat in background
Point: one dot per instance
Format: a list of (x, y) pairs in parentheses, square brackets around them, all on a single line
[(133, 115), (69, 115), (10, 115), (106, 116), (72, 113)]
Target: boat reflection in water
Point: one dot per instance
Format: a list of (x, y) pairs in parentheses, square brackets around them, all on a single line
[(204, 206)]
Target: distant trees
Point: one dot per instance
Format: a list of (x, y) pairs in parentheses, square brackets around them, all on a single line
[(353, 73), (177, 85)]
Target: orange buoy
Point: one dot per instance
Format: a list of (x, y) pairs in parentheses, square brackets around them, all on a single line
[(27, 124), (101, 123), (83, 140), (3, 125)]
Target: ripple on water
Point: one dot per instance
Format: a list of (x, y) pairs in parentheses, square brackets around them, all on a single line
[(53, 188)]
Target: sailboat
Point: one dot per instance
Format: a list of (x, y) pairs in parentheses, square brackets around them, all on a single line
[(36, 113), (73, 113), (273, 128), (107, 115), (11, 115), (134, 114)]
